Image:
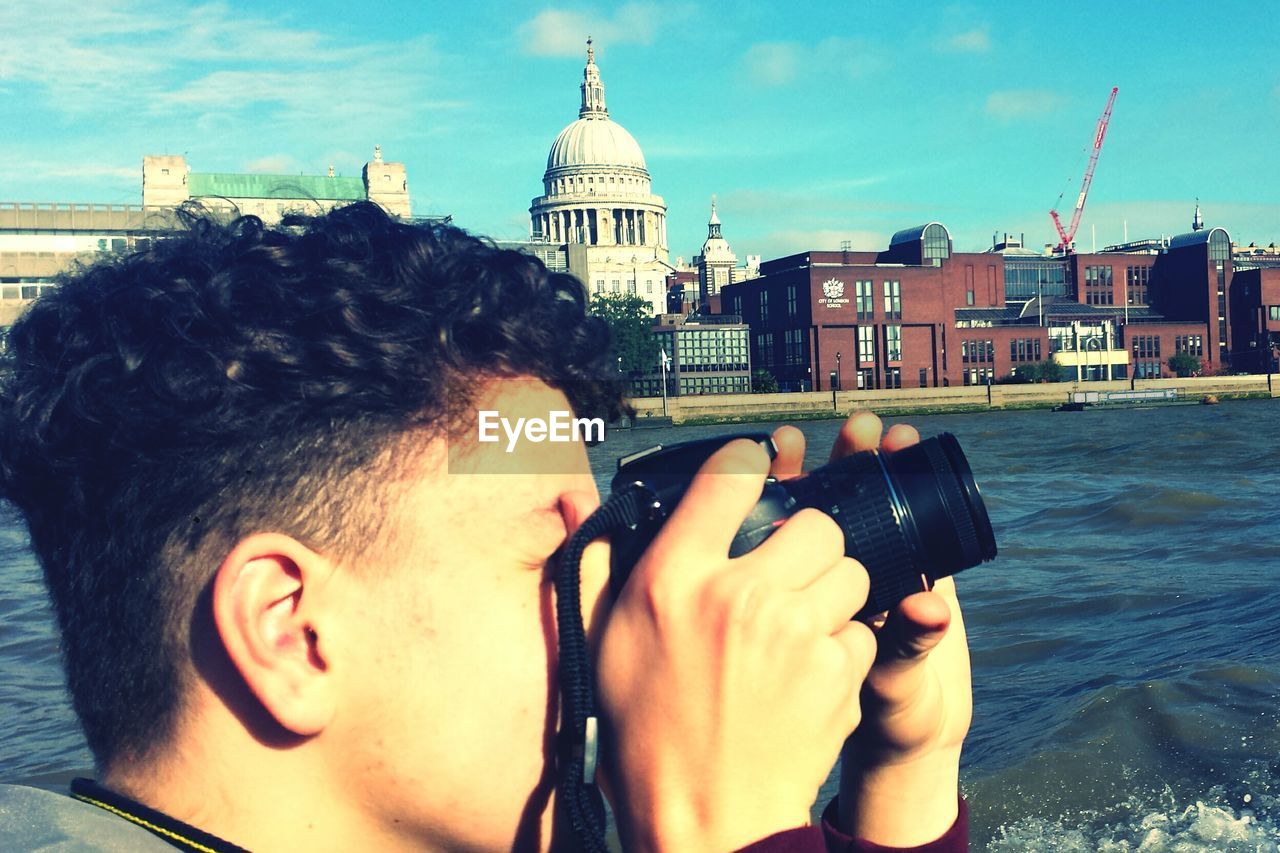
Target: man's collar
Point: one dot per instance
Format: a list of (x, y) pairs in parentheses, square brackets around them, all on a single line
[(179, 834)]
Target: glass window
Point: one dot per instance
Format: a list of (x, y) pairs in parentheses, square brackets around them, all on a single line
[(936, 244), (1136, 280), (893, 346), (893, 300), (866, 344), (977, 351), (862, 289), (1219, 245)]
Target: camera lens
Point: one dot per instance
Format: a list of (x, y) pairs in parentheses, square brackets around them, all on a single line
[(910, 517)]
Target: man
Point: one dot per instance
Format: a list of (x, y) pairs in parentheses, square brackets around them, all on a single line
[(300, 610)]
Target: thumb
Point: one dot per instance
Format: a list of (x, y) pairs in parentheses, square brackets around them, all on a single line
[(913, 629)]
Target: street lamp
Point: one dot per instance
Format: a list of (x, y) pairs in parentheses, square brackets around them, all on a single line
[(839, 377)]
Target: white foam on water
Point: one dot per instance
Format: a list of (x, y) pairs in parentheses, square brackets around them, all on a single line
[(1198, 828)]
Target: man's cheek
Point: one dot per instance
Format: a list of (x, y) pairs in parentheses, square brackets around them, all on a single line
[(534, 543)]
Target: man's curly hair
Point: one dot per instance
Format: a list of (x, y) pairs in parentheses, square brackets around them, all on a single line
[(156, 408)]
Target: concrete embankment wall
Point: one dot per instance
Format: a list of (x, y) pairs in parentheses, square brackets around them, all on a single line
[(730, 407)]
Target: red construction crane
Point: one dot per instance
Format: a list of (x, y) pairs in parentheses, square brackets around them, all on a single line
[(1065, 237)]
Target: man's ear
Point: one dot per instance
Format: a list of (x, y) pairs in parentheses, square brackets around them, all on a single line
[(272, 627)]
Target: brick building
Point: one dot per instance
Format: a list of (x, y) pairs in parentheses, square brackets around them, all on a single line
[(1255, 319), (919, 314)]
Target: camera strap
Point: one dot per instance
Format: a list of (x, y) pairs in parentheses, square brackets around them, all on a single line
[(577, 794)]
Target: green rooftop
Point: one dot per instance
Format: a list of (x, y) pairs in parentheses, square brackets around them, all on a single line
[(231, 185)]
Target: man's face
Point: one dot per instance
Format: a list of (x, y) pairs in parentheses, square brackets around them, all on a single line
[(449, 701)]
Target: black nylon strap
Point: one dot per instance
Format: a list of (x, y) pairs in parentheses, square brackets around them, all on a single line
[(181, 835), (579, 798)]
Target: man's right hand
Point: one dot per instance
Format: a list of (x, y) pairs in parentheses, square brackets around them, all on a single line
[(730, 684)]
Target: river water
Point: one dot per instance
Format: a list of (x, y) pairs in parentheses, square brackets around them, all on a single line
[(1126, 642)]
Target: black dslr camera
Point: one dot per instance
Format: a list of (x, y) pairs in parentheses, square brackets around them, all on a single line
[(910, 517)]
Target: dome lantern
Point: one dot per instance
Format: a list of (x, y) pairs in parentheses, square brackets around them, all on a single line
[(592, 88)]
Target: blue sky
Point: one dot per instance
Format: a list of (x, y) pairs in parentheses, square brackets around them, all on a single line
[(812, 123)]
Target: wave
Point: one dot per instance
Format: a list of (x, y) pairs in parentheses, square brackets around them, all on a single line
[(1193, 828)]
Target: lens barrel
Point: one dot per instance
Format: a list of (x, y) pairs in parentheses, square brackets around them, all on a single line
[(910, 517)]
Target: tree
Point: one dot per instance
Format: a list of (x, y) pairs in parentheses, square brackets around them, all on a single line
[(1184, 363), (631, 337), (763, 382), (1036, 371)]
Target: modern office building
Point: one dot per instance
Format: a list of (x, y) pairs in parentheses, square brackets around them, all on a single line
[(38, 241), (704, 355)]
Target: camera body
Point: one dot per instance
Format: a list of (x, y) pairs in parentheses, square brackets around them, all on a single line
[(910, 517)]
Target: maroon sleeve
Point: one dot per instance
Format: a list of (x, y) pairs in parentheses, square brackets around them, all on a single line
[(809, 839), (804, 839), (955, 840)]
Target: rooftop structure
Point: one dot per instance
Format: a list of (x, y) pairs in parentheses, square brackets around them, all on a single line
[(40, 240), (168, 181)]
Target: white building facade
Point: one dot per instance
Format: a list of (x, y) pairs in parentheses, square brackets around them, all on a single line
[(597, 195), (717, 265)]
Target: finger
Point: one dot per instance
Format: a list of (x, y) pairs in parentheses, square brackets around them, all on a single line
[(837, 594), (723, 491), (859, 432), (860, 646), (914, 628), (804, 547), (900, 436), (789, 462)]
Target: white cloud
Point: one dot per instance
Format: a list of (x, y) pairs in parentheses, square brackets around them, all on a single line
[(64, 169), (274, 164), (773, 63), (790, 241), (782, 63), (1244, 221), (849, 57), (125, 55), (561, 32), (1019, 103), (975, 40)]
